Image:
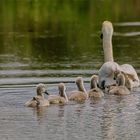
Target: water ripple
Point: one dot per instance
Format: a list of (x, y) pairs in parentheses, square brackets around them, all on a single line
[(136, 23)]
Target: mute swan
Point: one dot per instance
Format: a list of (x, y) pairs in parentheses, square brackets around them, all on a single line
[(120, 89), (61, 98), (81, 93), (106, 72), (38, 100), (95, 91)]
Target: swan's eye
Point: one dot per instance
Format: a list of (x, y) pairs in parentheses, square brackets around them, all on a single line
[(101, 36)]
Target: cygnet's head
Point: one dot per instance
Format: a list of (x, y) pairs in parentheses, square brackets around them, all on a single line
[(120, 79), (107, 29), (40, 88), (94, 81), (80, 84), (61, 88), (79, 81), (95, 77), (116, 73)]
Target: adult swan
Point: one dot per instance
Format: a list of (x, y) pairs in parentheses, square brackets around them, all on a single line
[(107, 70)]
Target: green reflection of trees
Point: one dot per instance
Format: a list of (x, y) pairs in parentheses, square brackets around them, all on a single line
[(59, 29)]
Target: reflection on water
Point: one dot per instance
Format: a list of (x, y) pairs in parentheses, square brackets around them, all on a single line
[(120, 117), (110, 118), (56, 41)]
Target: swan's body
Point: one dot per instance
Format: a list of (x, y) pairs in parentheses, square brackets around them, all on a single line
[(95, 91), (120, 89), (106, 72), (61, 98), (38, 100), (80, 94)]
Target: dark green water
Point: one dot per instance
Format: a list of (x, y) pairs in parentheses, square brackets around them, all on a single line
[(53, 41)]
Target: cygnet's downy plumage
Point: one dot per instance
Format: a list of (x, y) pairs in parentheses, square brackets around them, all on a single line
[(81, 93), (120, 88), (94, 91), (38, 100), (61, 98)]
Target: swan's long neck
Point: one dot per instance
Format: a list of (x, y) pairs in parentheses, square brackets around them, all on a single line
[(107, 48)]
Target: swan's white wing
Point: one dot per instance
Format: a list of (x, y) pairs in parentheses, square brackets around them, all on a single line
[(132, 74), (106, 74)]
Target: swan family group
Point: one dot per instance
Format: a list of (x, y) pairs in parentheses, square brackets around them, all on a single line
[(112, 78)]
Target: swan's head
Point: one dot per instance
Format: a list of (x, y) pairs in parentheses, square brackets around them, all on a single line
[(40, 88), (107, 29), (106, 74)]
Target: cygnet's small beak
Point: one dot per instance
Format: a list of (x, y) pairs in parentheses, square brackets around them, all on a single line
[(101, 36), (34, 98), (46, 92)]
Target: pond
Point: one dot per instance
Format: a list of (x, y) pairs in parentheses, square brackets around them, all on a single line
[(55, 41)]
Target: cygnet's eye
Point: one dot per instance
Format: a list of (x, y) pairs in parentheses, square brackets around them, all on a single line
[(114, 78), (101, 36)]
